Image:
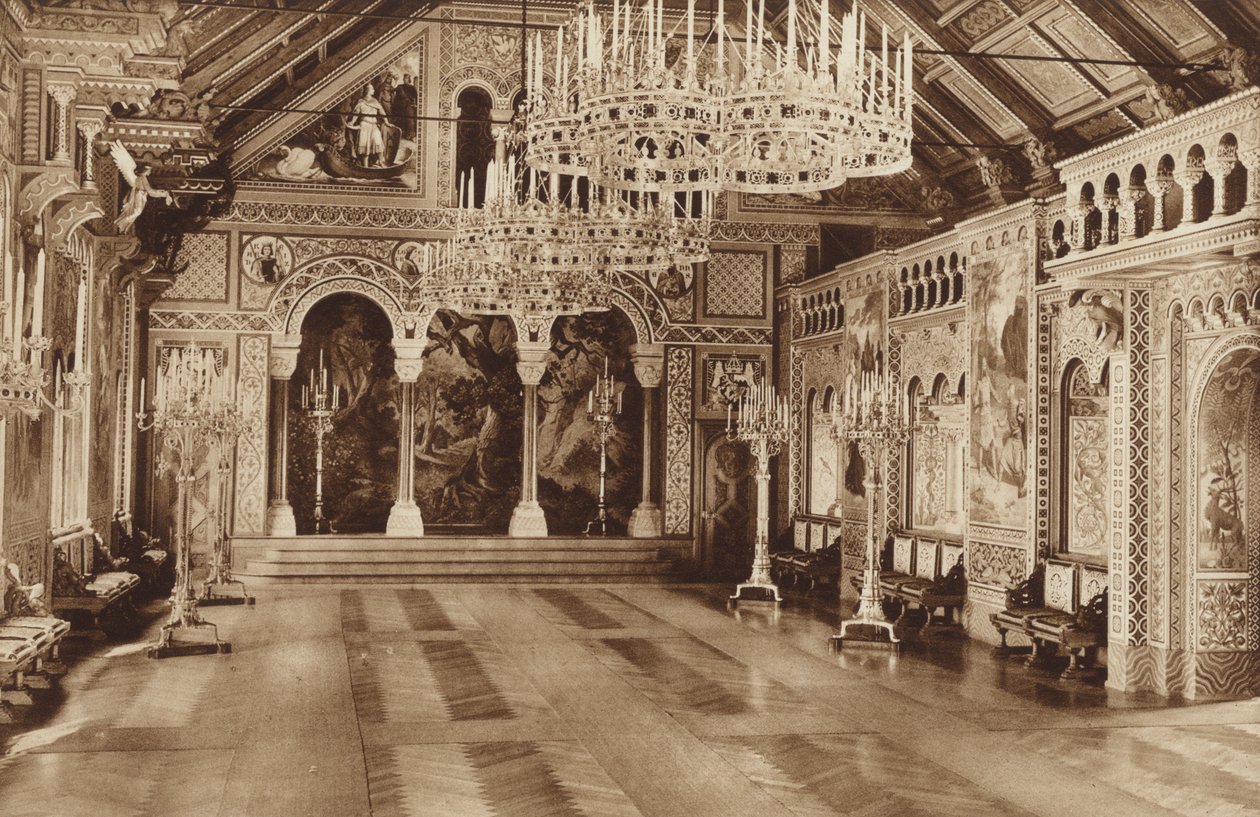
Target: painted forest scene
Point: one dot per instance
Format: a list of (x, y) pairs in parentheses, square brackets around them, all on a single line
[(468, 424), (568, 445), (361, 452), (1227, 441)]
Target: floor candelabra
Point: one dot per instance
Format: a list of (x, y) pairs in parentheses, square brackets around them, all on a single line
[(215, 589), (763, 423), (192, 407), (871, 418), (603, 405), (321, 402)]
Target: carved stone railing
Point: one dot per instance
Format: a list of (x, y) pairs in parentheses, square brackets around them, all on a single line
[(1195, 175), (820, 302), (931, 275)]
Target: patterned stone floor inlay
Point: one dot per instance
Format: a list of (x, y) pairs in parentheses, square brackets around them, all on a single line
[(632, 701)]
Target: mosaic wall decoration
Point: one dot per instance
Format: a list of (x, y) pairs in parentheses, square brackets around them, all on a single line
[(823, 464), (252, 385), (678, 373), (204, 277), (735, 285), (998, 318), (995, 565), (1139, 462), (1224, 467)]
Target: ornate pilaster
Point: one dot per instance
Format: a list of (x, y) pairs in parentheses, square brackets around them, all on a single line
[(405, 518), (62, 95), (1250, 157), (646, 520), (1130, 211), (88, 129), (281, 364), (1159, 192), (1219, 169), (528, 519)]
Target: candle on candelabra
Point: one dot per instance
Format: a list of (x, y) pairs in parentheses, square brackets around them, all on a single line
[(80, 325), (19, 322), (37, 315), (7, 329)]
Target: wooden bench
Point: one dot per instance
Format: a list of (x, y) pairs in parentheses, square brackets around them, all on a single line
[(808, 569), (1047, 608), (926, 574), (103, 600), (30, 641), (140, 554)]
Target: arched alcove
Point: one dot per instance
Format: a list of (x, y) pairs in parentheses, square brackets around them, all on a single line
[(1084, 463), (352, 336), (474, 143), (568, 445)]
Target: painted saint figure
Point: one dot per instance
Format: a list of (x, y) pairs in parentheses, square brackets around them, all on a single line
[(365, 121)]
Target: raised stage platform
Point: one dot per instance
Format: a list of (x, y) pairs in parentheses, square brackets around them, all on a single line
[(267, 560)]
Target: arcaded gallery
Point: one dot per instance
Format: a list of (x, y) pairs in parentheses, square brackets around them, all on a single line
[(630, 408)]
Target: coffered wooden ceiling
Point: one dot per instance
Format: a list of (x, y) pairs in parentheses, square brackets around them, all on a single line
[(268, 58)]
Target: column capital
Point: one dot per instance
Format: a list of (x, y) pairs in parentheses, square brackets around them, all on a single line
[(649, 363), (282, 361), (531, 362), (63, 93), (409, 362)]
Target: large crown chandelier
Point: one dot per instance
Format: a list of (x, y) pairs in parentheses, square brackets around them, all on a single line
[(632, 107), (647, 122)]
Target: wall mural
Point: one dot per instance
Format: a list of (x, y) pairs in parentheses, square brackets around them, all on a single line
[(1223, 516), (999, 368), (370, 138), (823, 465), (568, 448), (864, 341), (361, 451), (468, 424), (106, 352), (929, 481)]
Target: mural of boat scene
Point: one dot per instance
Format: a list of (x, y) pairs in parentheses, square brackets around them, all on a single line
[(1228, 442), (999, 368), (468, 424), (361, 452), (568, 446), (863, 355), (369, 138)]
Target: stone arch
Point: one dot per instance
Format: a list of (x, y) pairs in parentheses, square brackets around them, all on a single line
[(68, 218), (308, 285), (41, 191)]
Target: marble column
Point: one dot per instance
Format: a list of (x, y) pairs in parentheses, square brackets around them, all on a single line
[(405, 518), (649, 362), (62, 95), (528, 519), (281, 364)]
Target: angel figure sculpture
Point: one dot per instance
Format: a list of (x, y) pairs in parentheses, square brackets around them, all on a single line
[(137, 175)]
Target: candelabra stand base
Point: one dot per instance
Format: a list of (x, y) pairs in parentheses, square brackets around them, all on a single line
[(170, 645), (213, 595), (761, 590), (868, 626), (597, 526)]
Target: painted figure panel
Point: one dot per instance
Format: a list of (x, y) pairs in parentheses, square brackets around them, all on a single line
[(999, 409), (368, 139), (1224, 465), (863, 355)]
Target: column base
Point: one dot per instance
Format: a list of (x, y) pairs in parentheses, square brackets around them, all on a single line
[(528, 521), (280, 520), (405, 520), (645, 521)]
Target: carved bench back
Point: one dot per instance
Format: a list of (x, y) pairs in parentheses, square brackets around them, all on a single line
[(951, 554), (926, 559), (1061, 585), (1092, 582), (903, 554)]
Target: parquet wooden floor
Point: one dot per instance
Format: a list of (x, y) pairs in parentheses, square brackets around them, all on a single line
[(643, 701)]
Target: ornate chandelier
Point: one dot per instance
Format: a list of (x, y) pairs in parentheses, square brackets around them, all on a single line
[(628, 105)]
